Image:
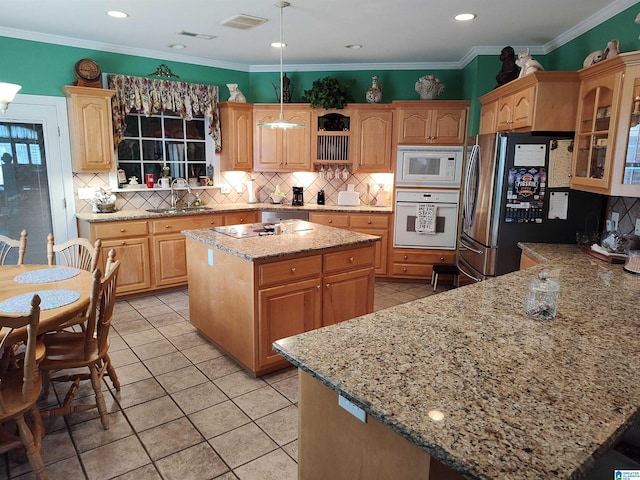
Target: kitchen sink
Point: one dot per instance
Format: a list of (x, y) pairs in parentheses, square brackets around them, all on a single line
[(180, 210)]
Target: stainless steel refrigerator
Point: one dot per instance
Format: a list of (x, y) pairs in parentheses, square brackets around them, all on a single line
[(507, 198)]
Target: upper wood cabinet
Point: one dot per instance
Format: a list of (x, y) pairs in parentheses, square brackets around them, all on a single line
[(90, 129), (431, 122), (372, 138), (539, 101), (278, 150), (606, 156), (333, 136), (236, 125)]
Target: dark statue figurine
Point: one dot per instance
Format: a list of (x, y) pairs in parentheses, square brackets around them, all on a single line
[(509, 70)]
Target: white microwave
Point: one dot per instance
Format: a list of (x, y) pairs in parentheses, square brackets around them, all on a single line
[(429, 166)]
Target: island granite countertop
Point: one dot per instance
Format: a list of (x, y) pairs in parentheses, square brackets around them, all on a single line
[(520, 398), (307, 237)]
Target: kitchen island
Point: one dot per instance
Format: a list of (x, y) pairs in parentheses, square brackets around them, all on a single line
[(464, 384), (246, 291)]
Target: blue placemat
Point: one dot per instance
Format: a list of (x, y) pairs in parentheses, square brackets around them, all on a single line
[(49, 299), (46, 275)]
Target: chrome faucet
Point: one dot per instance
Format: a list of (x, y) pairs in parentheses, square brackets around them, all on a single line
[(174, 195)]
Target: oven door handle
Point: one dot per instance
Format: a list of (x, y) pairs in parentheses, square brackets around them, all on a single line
[(466, 246)]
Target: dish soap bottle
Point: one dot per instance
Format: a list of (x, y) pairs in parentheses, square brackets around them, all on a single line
[(197, 202)]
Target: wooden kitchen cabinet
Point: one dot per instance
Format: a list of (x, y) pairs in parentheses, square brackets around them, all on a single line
[(278, 150), (431, 122), (370, 223), (130, 240), (372, 139), (90, 129), (237, 218), (347, 295), (418, 263), (527, 261), (539, 101), (236, 125), (606, 156)]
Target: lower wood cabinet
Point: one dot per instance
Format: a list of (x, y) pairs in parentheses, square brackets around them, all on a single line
[(527, 261), (369, 223), (418, 263), (153, 250)]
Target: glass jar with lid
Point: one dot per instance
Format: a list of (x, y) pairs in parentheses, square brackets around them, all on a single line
[(542, 302)]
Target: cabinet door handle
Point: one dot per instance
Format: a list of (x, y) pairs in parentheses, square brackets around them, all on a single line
[(369, 222), (351, 259), (330, 221), (123, 243), (293, 269), (122, 230), (405, 257), (318, 287), (242, 220), (328, 285), (442, 259), (167, 226), (404, 269)]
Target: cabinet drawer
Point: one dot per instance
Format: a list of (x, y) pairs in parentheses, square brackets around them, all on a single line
[(423, 257), (369, 221), (349, 259), (331, 220), (120, 229), (240, 217), (412, 270), (177, 224), (289, 270)]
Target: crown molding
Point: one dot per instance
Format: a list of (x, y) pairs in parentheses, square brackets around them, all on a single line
[(328, 67)]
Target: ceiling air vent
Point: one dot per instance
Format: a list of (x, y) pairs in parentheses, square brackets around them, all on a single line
[(197, 35), (243, 22)]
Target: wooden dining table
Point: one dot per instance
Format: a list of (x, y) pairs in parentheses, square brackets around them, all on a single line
[(65, 293)]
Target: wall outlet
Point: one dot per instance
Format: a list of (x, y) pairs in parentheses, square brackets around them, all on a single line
[(637, 232), (86, 193), (615, 216), (225, 189)]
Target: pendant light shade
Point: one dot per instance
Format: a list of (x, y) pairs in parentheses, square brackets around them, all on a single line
[(281, 122), (7, 94)]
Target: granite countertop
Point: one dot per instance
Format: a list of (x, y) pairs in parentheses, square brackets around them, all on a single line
[(521, 398), (307, 237), (229, 207)]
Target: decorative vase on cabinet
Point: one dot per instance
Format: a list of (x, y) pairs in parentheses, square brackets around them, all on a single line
[(374, 92)]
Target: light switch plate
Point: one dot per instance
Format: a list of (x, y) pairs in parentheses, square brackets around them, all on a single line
[(350, 407), (615, 216), (86, 193), (637, 232), (225, 189)]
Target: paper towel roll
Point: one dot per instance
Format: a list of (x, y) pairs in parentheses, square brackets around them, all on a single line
[(251, 189)]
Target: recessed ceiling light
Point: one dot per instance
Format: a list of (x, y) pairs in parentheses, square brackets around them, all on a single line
[(278, 45), (354, 46), (117, 14), (177, 46), (465, 17)]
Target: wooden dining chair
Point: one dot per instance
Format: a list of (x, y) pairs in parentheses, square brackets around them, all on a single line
[(8, 244), (75, 350), (77, 252), (19, 391)]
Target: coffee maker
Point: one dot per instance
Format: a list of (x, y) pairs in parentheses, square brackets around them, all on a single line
[(298, 196)]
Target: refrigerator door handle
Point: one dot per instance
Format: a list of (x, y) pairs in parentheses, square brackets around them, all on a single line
[(467, 201), (467, 274), (466, 246)]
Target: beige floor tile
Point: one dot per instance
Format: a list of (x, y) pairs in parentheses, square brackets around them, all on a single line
[(218, 367), (148, 472), (184, 313), (132, 373), (180, 379), (196, 463), (276, 465), (115, 458), (116, 342), (281, 426), (227, 476), (242, 445), (288, 387), (131, 326), (189, 340), (280, 375), (238, 383), (141, 302), (90, 434), (197, 398), (261, 402), (140, 338), (178, 328), (170, 438), (124, 316), (68, 468), (153, 413), (122, 306), (154, 349), (123, 357), (203, 352), (219, 419), (165, 319), (167, 363), (292, 450), (139, 392)]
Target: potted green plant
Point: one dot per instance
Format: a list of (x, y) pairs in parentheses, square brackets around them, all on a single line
[(328, 93)]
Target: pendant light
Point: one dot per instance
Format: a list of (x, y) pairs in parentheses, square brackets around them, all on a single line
[(281, 122)]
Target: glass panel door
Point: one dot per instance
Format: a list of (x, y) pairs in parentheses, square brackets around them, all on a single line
[(632, 164)]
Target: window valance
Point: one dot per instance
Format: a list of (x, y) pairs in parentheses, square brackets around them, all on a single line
[(151, 96)]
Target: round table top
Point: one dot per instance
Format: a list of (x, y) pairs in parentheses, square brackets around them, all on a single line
[(65, 293)]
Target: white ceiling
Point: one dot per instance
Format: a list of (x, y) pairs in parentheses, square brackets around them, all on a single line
[(397, 34)]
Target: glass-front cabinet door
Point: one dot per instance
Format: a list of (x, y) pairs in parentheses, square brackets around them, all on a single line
[(631, 174), (592, 152)]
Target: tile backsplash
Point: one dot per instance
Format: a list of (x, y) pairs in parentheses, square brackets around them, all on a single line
[(265, 183), (629, 210)]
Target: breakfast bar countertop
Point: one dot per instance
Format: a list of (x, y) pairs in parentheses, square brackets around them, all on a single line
[(514, 397)]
